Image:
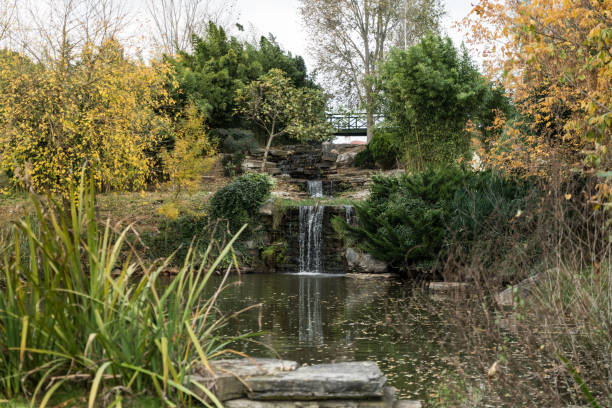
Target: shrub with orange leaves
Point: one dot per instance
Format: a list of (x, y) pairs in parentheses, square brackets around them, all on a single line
[(556, 58)]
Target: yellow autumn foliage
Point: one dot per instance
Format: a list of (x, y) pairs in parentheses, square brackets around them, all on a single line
[(99, 110), (556, 58), (192, 154)]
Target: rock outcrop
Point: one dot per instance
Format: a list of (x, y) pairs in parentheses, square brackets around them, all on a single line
[(522, 290), (364, 263)]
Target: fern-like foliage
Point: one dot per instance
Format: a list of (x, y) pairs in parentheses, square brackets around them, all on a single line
[(410, 221)]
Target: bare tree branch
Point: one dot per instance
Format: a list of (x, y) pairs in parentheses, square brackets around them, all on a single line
[(176, 21)]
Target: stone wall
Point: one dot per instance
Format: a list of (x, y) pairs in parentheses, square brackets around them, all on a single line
[(286, 230), (303, 162)]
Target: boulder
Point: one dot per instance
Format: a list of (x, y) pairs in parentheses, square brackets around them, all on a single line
[(522, 290), (250, 165), (329, 156), (355, 380), (228, 376), (281, 153), (267, 208), (346, 159), (364, 263)]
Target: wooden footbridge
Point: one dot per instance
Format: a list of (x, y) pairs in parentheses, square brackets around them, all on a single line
[(351, 124)]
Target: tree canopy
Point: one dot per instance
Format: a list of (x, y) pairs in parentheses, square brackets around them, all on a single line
[(219, 65), (279, 108), (430, 92), (98, 109)]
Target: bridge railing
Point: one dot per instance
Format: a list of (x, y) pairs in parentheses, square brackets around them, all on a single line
[(351, 121)]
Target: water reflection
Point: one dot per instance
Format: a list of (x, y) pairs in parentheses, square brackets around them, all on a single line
[(321, 318), (310, 318)]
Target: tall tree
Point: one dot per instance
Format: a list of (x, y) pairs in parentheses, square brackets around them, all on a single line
[(431, 91), (55, 32), (177, 21), (350, 39), (7, 15), (417, 18), (279, 108)]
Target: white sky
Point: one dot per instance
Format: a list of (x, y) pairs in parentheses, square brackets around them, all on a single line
[(281, 18)]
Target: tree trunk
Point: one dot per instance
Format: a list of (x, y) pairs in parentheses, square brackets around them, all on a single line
[(265, 158), (370, 130), (370, 113)]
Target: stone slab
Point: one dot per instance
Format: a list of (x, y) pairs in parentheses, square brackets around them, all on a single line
[(448, 286), (367, 276), (522, 290), (351, 380), (247, 403), (228, 380)]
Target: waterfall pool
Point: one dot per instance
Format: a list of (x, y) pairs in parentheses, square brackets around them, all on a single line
[(318, 318)]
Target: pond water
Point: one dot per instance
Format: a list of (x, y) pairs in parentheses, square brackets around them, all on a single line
[(321, 318)]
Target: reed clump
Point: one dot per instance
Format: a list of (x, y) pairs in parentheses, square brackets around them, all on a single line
[(78, 308)]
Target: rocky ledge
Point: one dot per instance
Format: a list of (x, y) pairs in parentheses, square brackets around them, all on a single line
[(269, 383)]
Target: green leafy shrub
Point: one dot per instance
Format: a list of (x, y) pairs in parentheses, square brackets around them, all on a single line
[(386, 147), (239, 201), (364, 159), (275, 254), (410, 220), (232, 164)]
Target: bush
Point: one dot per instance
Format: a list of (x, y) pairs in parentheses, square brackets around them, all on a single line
[(386, 147), (239, 201), (364, 159), (410, 221), (237, 140), (435, 147), (232, 164)]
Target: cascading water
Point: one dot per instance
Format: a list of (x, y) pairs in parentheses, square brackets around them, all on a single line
[(315, 188), (311, 237), (350, 213)]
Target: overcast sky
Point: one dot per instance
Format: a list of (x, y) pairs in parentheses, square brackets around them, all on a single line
[(281, 18)]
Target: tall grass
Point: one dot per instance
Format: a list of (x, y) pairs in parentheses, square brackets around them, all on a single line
[(81, 310), (553, 348)]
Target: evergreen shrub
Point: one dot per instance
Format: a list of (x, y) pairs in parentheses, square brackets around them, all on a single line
[(239, 201), (386, 147), (410, 221), (364, 159), (236, 140)]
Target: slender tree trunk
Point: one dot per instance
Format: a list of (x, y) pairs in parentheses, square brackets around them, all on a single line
[(265, 158), (370, 113)]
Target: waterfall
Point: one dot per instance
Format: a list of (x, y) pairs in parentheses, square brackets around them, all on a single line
[(315, 188), (311, 237), (350, 213)]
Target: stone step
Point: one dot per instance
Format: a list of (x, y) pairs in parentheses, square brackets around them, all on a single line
[(226, 380), (247, 403), (354, 380)]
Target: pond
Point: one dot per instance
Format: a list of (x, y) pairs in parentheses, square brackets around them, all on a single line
[(318, 318)]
